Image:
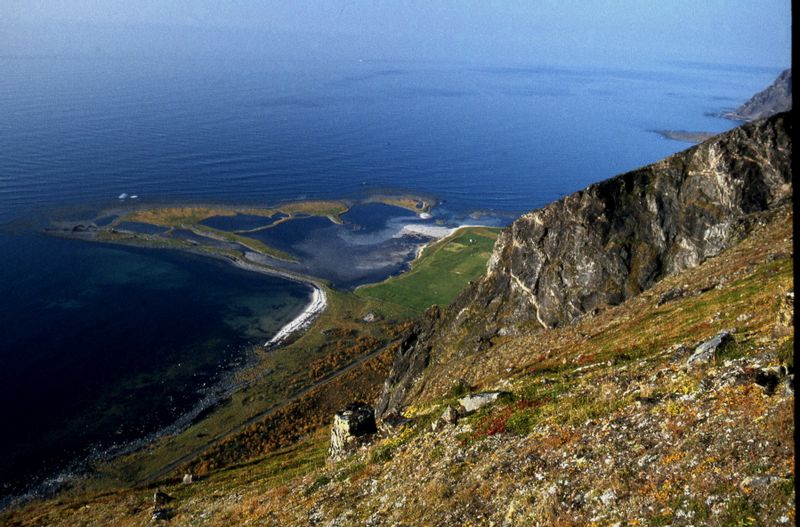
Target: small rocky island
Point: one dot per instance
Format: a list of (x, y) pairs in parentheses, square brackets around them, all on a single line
[(684, 136)]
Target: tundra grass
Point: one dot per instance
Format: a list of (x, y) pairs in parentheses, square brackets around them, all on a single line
[(443, 270)]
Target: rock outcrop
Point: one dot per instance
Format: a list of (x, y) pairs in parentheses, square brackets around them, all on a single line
[(614, 239), (351, 427), (410, 361), (605, 244), (774, 99), (707, 351), (474, 402)]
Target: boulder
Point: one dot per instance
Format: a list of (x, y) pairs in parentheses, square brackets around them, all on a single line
[(187, 478), (450, 415), (476, 401), (448, 418), (786, 310), (389, 424), (752, 482), (351, 428), (160, 497), (708, 350), (768, 378), (787, 384), (671, 294)]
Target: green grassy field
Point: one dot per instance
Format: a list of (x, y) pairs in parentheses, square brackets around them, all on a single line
[(440, 274)]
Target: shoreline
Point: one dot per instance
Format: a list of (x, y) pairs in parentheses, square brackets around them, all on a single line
[(315, 307), (425, 230), (79, 467), (317, 304), (428, 231)]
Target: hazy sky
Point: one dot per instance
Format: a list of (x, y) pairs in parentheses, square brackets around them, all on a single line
[(749, 32)]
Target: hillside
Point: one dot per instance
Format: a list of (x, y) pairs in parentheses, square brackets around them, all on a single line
[(601, 246), (596, 321), (776, 98)]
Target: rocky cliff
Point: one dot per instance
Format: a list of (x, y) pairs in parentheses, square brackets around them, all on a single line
[(774, 99), (605, 244)]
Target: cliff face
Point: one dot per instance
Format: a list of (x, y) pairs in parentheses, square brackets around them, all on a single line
[(607, 243), (614, 239), (776, 98)]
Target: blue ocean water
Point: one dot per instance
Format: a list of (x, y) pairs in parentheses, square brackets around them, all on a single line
[(76, 132)]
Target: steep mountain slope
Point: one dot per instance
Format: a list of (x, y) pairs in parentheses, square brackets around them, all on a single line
[(773, 99), (602, 245)]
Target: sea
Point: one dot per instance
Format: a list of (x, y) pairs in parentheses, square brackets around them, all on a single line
[(105, 346)]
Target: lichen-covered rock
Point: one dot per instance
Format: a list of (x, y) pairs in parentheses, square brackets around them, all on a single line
[(707, 351), (449, 417), (608, 497), (474, 402), (786, 310), (351, 427), (786, 386)]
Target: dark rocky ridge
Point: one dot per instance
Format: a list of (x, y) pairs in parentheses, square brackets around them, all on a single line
[(774, 99), (605, 244)]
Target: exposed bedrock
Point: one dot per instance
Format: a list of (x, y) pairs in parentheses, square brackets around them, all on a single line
[(606, 243)]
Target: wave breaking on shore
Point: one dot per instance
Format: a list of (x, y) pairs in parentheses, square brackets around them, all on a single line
[(314, 308)]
